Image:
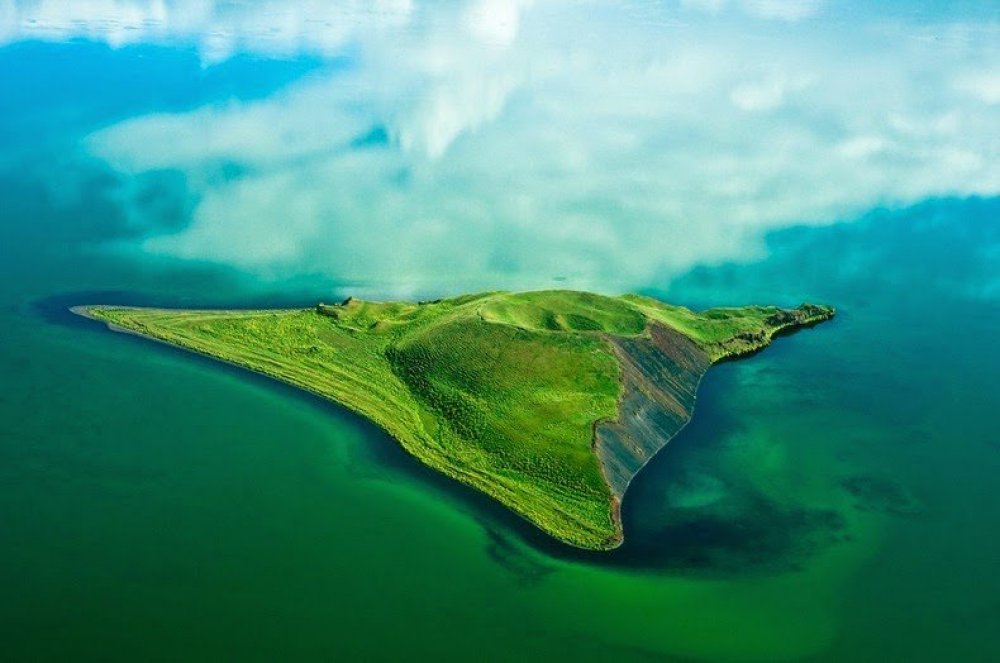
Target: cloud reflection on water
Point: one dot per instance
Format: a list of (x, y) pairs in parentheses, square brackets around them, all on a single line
[(506, 143)]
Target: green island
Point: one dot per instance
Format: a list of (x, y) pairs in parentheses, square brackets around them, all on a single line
[(549, 401)]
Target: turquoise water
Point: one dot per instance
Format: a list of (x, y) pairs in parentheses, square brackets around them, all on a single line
[(832, 500)]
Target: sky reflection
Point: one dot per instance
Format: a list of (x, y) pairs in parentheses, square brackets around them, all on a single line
[(519, 143)]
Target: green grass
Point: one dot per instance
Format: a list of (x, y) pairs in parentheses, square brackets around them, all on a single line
[(498, 390), (564, 310), (730, 332)]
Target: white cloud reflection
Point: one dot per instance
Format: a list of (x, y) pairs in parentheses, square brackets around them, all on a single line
[(784, 10), (219, 29), (611, 144)]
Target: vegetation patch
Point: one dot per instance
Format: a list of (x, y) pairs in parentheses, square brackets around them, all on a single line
[(502, 391)]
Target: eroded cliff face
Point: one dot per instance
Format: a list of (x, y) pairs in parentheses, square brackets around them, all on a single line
[(660, 375)]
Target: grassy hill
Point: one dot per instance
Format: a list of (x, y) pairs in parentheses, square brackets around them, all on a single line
[(503, 391)]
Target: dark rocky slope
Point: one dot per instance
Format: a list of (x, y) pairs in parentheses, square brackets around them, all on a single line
[(660, 375)]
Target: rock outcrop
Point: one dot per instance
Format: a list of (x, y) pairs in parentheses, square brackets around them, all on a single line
[(660, 375)]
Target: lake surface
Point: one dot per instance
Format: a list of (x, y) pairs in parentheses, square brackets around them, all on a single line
[(834, 498)]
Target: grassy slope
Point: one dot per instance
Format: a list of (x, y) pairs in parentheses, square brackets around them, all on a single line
[(730, 332), (498, 390)]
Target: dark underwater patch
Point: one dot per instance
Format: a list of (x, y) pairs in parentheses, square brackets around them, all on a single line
[(880, 494), (739, 535), (529, 571)]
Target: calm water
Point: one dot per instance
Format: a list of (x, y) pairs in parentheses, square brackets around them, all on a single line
[(834, 497)]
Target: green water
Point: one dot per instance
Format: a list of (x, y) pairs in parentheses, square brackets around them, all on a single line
[(159, 507), (834, 498)]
